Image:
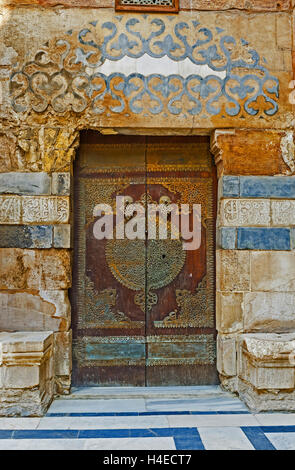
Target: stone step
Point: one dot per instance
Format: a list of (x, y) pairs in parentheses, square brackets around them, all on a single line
[(201, 391)]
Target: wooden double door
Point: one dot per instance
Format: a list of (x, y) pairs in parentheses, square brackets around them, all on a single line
[(143, 309)]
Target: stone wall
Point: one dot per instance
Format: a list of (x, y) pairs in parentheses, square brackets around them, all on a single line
[(256, 266), (76, 64)]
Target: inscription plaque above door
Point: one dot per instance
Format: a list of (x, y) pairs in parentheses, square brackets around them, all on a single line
[(143, 309)]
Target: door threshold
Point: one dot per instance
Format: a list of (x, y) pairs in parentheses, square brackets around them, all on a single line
[(104, 393)]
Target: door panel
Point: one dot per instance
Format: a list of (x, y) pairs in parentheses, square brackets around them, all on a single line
[(109, 325), (180, 326), (143, 310)]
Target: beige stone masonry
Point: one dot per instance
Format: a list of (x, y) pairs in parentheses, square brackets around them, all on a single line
[(269, 311), (232, 270), (255, 291), (227, 355), (26, 373), (34, 311), (283, 31), (63, 361), (34, 269), (229, 312), (273, 271)]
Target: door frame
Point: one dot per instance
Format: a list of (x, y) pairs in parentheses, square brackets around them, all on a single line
[(164, 133)]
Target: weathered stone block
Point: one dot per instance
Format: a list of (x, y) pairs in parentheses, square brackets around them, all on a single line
[(10, 209), (252, 238), (267, 186), (283, 212), (269, 311), (284, 31), (229, 186), (26, 366), (60, 301), (265, 400), (61, 184), (46, 148), (8, 158), (26, 311), (250, 152), (232, 270), (226, 355), (25, 183), (34, 269), (20, 377), (241, 212), (50, 209), (25, 236), (63, 352), (62, 236), (229, 313), (273, 271), (264, 360), (226, 238)]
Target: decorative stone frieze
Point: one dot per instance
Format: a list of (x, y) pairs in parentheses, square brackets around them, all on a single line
[(45, 209), (34, 209), (245, 212), (97, 78), (283, 212)]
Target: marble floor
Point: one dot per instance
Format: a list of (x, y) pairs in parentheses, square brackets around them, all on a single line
[(168, 419)]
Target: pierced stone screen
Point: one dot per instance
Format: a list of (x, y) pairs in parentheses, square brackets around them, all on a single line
[(148, 5)]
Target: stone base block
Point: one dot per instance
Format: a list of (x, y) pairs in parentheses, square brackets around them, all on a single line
[(266, 371), (266, 400), (26, 373)]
